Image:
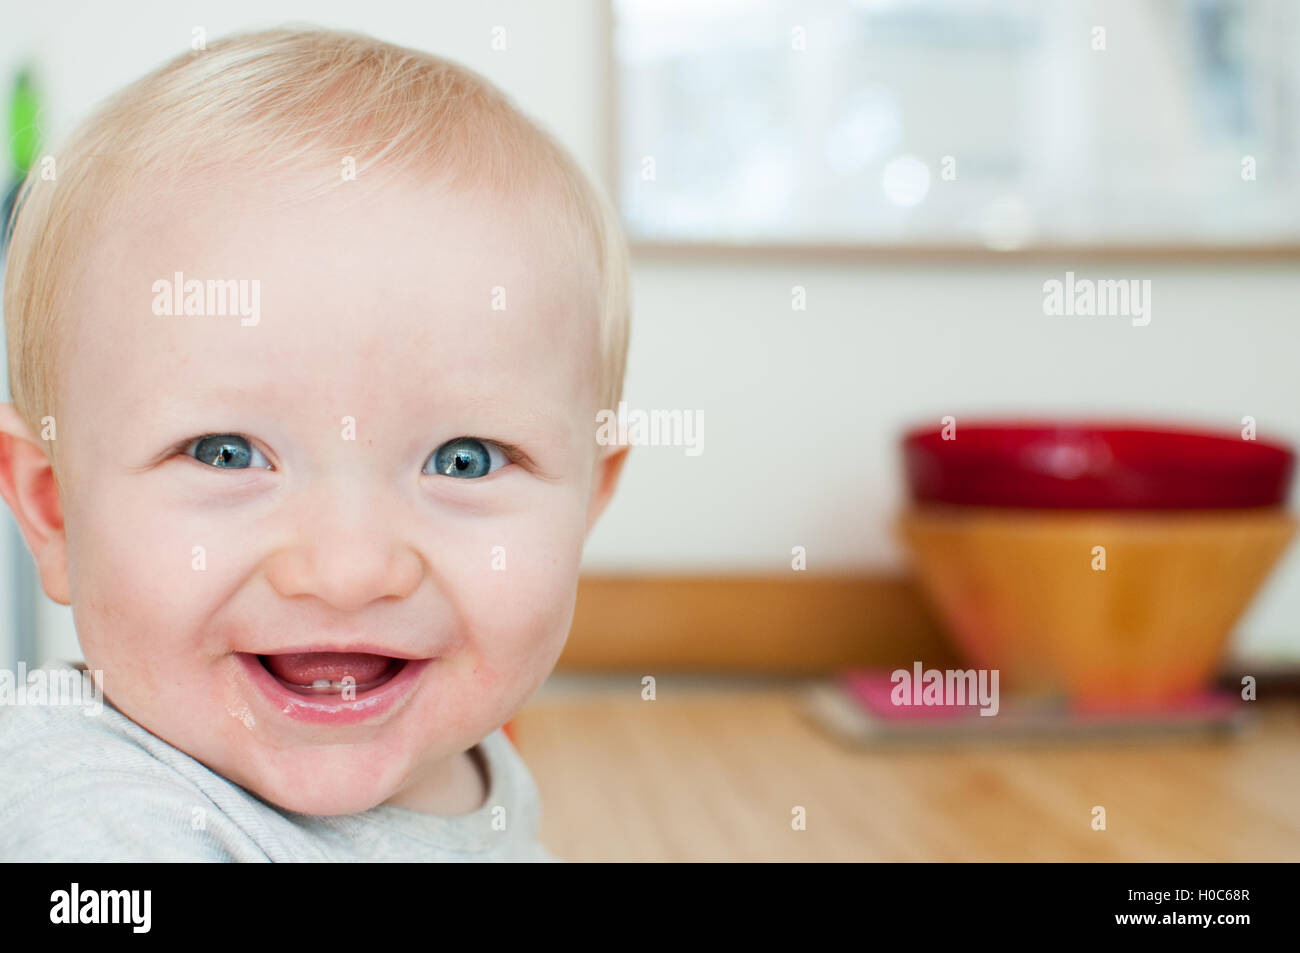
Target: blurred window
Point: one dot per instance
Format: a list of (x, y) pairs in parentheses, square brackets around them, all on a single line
[(959, 122)]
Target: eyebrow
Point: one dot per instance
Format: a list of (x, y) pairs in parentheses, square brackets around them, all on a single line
[(500, 416), (531, 417)]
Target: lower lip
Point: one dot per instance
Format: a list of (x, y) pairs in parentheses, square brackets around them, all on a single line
[(327, 709)]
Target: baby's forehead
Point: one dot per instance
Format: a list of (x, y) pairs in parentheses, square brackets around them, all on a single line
[(401, 247), (384, 208), (387, 281)]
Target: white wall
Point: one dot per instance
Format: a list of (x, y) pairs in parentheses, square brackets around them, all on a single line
[(801, 408)]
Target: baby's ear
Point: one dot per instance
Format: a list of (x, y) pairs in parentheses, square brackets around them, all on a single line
[(28, 485), (609, 467)]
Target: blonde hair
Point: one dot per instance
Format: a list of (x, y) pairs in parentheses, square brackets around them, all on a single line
[(276, 99)]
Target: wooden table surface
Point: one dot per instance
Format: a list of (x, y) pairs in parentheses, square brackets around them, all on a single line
[(712, 769)]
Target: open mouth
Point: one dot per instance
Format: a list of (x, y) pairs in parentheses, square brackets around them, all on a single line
[(332, 673), (333, 689)]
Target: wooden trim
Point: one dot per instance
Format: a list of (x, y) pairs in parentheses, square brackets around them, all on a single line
[(790, 623)]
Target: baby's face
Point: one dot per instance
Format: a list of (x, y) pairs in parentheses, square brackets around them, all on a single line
[(234, 492)]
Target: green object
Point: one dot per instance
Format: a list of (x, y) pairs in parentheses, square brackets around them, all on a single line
[(24, 135)]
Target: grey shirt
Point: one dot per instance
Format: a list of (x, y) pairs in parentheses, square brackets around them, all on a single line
[(98, 787)]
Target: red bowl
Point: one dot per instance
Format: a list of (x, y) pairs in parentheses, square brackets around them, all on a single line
[(1087, 465)]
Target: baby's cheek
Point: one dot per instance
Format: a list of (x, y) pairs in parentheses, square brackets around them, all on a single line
[(152, 567), (523, 613), (529, 610), (514, 654)]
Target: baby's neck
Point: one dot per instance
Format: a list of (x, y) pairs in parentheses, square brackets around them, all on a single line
[(459, 785)]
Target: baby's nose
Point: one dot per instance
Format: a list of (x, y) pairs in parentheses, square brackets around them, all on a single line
[(348, 551)]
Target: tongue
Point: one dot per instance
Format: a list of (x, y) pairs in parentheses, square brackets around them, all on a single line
[(333, 666)]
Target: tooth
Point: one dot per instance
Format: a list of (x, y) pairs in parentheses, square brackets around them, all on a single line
[(321, 684)]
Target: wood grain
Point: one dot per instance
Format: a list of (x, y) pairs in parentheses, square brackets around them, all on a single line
[(713, 775)]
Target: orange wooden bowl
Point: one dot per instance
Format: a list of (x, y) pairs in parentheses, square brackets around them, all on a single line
[(1019, 593)]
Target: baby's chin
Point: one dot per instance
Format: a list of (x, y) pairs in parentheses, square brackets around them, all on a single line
[(338, 779)]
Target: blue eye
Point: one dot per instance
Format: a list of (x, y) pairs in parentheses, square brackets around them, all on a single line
[(466, 458), (227, 452)]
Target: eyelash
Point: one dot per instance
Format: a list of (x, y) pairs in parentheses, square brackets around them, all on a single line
[(185, 448)]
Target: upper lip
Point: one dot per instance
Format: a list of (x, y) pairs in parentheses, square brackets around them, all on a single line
[(352, 648)]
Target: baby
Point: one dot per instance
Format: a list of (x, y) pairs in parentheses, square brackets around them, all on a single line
[(307, 337)]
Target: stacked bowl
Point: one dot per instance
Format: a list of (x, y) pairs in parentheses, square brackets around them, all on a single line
[(1103, 563)]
